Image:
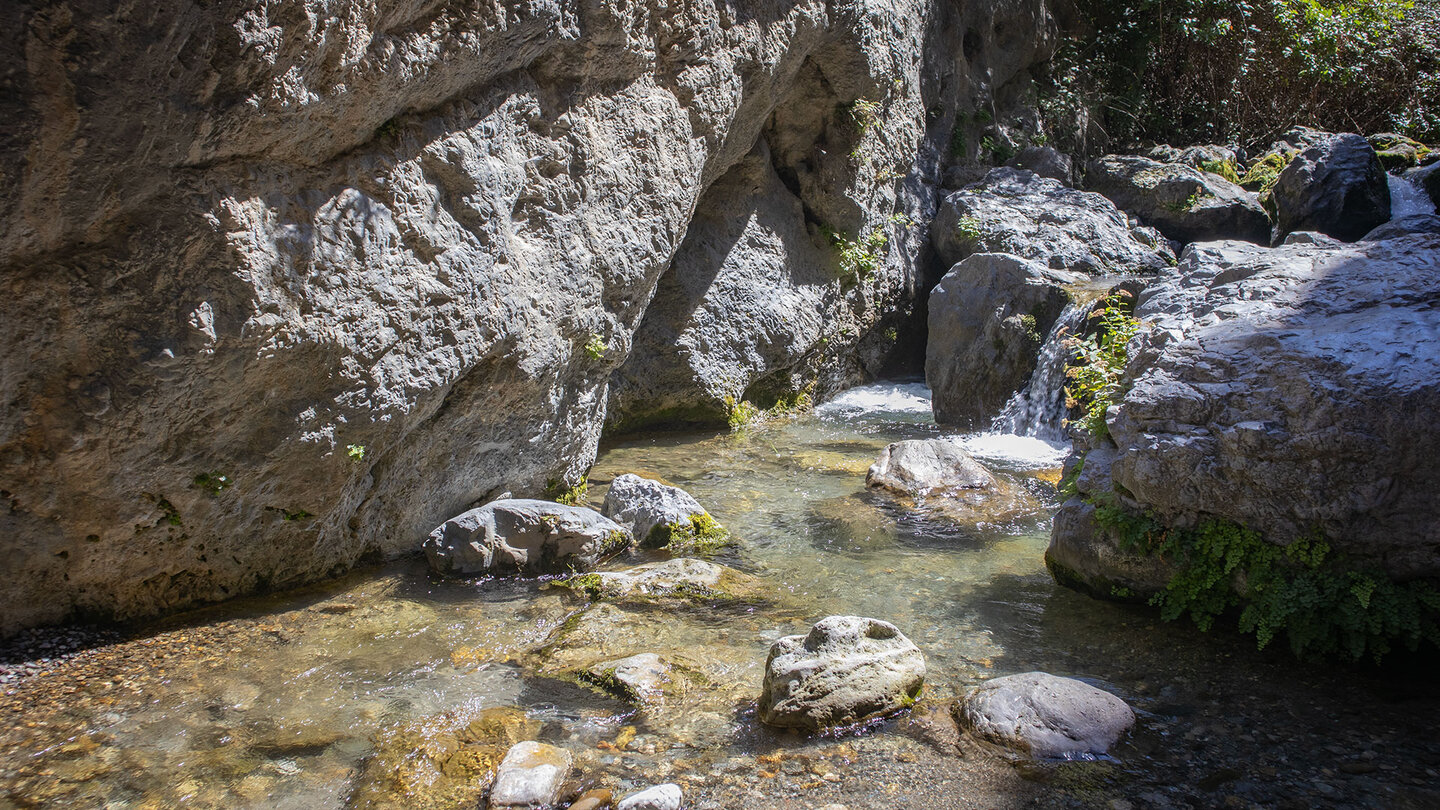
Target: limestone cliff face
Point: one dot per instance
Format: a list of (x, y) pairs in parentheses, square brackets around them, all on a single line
[(289, 283)]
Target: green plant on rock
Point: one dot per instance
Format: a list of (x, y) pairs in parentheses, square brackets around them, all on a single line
[(970, 230), (211, 482), (356, 452), (1225, 168), (865, 113), (596, 347), (741, 413), (700, 534), (1264, 172), (1098, 364), (563, 493), (859, 258), (1323, 605)]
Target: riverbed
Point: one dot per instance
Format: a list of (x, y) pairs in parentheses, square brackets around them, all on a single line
[(357, 693)]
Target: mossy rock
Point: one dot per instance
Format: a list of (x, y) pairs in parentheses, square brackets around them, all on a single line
[(699, 534), (672, 582)]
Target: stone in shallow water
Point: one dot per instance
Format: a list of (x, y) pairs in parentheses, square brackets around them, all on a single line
[(1046, 715), (654, 512), (847, 669), (530, 776), (673, 581), (523, 535), (641, 677), (660, 797), (922, 467)]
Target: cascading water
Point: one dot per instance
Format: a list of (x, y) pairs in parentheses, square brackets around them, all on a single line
[(1038, 409), (1408, 199)]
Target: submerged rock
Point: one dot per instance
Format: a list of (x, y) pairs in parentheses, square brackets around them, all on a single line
[(846, 669), (642, 677), (1185, 203), (524, 535), (1046, 716), (1336, 186), (988, 319), (927, 466), (1290, 391), (679, 580), (660, 515), (530, 776), (1020, 213), (659, 797)]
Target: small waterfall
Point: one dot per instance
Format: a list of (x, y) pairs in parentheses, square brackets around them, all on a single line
[(1408, 199), (1038, 409)]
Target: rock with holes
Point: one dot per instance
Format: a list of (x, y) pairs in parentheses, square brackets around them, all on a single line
[(846, 669), (530, 776), (526, 536), (1185, 203), (1046, 716), (658, 514), (988, 319), (1336, 186), (918, 467)]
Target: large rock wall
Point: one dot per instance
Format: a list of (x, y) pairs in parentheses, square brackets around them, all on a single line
[(290, 283)]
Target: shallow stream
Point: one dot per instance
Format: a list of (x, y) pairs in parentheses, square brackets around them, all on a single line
[(359, 693)]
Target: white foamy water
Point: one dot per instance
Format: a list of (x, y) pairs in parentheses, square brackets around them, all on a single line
[(1038, 409), (879, 398), (1024, 452), (1408, 199)]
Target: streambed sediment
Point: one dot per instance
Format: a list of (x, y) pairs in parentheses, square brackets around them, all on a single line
[(360, 692)]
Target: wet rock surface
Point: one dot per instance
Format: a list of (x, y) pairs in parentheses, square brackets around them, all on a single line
[(925, 467), (988, 318), (1046, 716), (530, 776), (1184, 203), (524, 535), (660, 797), (845, 670), (1336, 186)]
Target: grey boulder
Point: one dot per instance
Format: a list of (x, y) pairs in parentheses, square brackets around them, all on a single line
[(1185, 203), (652, 511), (642, 677), (1046, 716), (530, 776), (1046, 161), (988, 319), (524, 535), (1021, 213), (1336, 186), (922, 467), (846, 669), (1194, 156)]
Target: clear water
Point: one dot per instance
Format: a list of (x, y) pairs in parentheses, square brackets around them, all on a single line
[(299, 703)]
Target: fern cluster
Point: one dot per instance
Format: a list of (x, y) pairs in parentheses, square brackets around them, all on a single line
[(1098, 363)]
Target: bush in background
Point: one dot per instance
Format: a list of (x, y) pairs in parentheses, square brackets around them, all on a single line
[(1203, 71)]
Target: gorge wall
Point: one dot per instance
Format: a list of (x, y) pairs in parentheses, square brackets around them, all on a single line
[(289, 283)]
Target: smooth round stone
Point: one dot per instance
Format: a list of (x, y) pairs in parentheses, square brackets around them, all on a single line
[(660, 797), (1046, 716)]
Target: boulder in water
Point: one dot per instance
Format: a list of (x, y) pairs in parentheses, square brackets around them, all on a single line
[(1023, 214), (642, 677), (1185, 203), (1336, 187), (1046, 716), (1290, 391), (672, 581), (1405, 226), (660, 515), (530, 776), (988, 320), (524, 535), (917, 467), (659, 797), (846, 669)]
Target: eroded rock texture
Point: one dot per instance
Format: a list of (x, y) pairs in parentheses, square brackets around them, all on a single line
[(290, 283)]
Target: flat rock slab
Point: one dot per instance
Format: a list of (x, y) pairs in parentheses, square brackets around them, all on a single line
[(530, 776), (845, 670), (922, 467), (1046, 716), (679, 580), (660, 797), (524, 535)]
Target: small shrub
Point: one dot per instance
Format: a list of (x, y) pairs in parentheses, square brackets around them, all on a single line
[(562, 493), (1224, 168), (1098, 364), (969, 230), (356, 452), (859, 258), (596, 347), (865, 113), (213, 483)]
